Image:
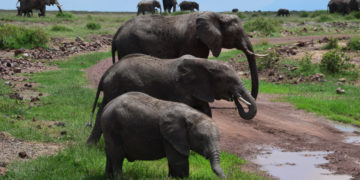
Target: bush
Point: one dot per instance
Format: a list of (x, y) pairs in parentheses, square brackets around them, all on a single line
[(356, 14), (334, 62), (93, 26), (305, 65), (241, 15), (20, 37), (60, 28), (64, 15), (324, 18), (304, 14), (332, 44), (270, 61), (316, 13), (265, 26), (354, 44)]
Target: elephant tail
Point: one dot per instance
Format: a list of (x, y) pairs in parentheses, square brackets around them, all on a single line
[(99, 89), (113, 51)]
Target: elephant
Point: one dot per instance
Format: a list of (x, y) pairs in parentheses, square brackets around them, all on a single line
[(189, 80), (29, 5), (148, 6), (340, 6), (137, 126), (189, 6), (283, 12), (168, 4), (235, 10), (195, 34), (354, 5)]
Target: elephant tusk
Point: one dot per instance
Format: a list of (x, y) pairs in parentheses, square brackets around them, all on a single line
[(256, 55), (244, 101)]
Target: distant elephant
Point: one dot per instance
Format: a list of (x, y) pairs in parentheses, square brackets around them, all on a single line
[(189, 6), (236, 10), (148, 6), (340, 6), (168, 4), (189, 80), (283, 12), (29, 5), (354, 5), (137, 126), (195, 34)]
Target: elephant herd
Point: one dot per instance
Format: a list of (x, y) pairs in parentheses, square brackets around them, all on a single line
[(156, 96), (25, 7), (150, 6)]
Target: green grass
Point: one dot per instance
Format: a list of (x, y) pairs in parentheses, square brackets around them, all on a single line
[(93, 26), (266, 26), (70, 101), (18, 36), (60, 28)]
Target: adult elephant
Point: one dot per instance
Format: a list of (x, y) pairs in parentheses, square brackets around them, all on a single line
[(29, 5), (340, 6), (189, 80), (169, 4), (137, 126), (189, 6), (355, 5), (235, 10), (283, 12), (195, 34), (148, 6)]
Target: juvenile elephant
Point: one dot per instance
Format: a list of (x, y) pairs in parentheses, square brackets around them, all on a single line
[(148, 6), (137, 126), (195, 34), (169, 4), (283, 12), (189, 6), (235, 10), (29, 5), (189, 80)]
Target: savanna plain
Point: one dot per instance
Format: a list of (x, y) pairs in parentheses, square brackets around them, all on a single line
[(50, 67)]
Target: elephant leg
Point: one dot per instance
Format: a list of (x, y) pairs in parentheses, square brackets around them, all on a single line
[(96, 131), (178, 163), (203, 107), (114, 160), (109, 168)]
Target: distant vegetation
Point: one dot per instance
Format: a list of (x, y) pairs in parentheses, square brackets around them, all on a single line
[(65, 15), (332, 44), (93, 26), (354, 44), (60, 28), (20, 37), (264, 25)]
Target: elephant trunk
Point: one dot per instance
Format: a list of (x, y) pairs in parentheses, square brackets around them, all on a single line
[(254, 74), (247, 99), (215, 164), (59, 6)]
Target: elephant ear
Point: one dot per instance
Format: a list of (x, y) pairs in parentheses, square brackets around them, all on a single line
[(174, 131), (195, 78), (208, 31)]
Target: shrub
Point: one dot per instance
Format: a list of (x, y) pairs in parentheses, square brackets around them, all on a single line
[(305, 65), (324, 18), (64, 15), (354, 44), (356, 14), (93, 26), (270, 61), (304, 14), (265, 26), (20, 37), (332, 44), (334, 62), (316, 14), (60, 28), (241, 15)]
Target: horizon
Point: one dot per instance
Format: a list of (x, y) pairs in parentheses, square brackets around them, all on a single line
[(205, 5)]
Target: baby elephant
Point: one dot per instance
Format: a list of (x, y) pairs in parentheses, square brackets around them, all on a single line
[(137, 126)]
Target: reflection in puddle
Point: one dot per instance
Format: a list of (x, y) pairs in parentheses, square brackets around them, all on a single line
[(296, 165), (353, 140)]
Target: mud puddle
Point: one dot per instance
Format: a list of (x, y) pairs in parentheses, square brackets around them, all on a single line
[(296, 165), (352, 132)]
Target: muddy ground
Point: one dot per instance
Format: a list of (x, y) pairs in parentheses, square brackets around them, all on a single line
[(277, 124)]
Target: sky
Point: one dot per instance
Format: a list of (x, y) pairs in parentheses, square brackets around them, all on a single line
[(205, 5)]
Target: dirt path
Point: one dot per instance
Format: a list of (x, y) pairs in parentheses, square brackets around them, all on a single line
[(279, 125)]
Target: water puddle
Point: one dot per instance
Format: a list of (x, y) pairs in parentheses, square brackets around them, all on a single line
[(353, 139), (296, 165)]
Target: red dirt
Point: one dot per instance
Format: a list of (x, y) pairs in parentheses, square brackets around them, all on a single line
[(277, 124)]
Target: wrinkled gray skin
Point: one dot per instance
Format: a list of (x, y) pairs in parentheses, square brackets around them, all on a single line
[(168, 4), (236, 10), (148, 6), (137, 126), (283, 12), (189, 80), (340, 6), (189, 6), (29, 5), (195, 34)]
